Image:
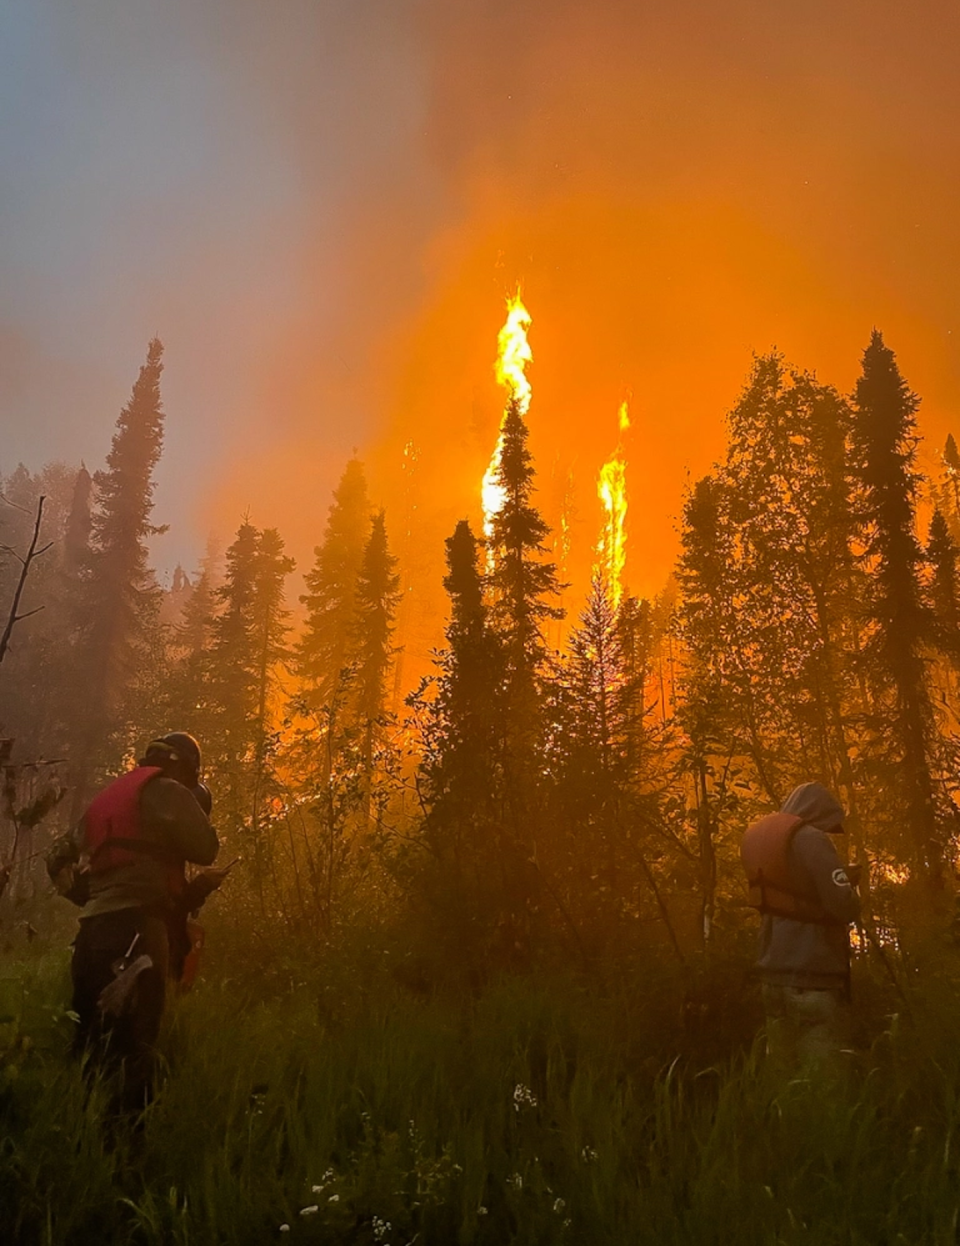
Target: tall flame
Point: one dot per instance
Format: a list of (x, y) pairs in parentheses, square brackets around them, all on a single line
[(513, 355), (612, 492)]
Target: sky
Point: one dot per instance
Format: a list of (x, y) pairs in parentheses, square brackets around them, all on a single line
[(320, 207)]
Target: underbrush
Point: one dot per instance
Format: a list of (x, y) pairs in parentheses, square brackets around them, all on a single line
[(337, 1107)]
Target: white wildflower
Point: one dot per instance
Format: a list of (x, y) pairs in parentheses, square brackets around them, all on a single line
[(380, 1228), (482, 1211), (515, 1180), (324, 1182), (523, 1097), (588, 1155)]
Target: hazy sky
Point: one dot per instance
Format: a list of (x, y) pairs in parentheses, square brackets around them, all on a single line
[(320, 207)]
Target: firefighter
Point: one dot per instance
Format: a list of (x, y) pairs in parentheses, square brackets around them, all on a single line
[(808, 899), (125, 863)]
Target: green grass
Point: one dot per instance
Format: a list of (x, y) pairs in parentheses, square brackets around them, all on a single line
[(542, 1111)]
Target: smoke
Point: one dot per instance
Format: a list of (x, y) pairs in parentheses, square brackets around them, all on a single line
[(348, 191), (675, 186)]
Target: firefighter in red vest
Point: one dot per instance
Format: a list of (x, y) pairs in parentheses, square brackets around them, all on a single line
[(808, 899), (125, 863)]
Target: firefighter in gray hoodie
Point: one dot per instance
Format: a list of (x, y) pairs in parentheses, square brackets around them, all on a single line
[(808, 899)]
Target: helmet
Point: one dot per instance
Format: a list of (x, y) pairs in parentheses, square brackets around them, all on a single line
[(176, 751)]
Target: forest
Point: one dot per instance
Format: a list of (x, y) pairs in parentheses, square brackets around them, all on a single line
[(483, 971)]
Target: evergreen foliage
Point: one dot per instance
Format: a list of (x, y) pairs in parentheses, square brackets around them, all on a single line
[(376, 599), (522, 583), (330, 599), (542, 805), (944, 591), (118, 597), (885, 440), (249, 642), (770, 587), (461, 779)]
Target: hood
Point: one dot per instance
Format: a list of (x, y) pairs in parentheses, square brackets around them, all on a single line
[(814, 804)]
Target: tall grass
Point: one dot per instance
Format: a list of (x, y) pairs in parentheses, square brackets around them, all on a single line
[(543, 1111)]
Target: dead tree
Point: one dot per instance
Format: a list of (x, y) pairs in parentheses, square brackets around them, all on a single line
[(15, 617)]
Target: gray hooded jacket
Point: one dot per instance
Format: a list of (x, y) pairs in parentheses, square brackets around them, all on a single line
[(802, 954)]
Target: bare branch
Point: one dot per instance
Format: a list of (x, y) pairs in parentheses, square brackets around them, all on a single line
[(16, 505), (14, 616)]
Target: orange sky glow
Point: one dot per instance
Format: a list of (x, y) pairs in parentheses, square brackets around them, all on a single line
[(674, 191)]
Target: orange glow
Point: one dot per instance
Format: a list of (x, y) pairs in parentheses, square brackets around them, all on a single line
[(676, 196), (513, 355), (612, 492)]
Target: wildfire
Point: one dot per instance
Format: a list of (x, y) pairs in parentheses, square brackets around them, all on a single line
[(513, 355), (612, 492)]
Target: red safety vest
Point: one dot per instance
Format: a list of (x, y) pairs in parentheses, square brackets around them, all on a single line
[(764, 851), (113, 833)]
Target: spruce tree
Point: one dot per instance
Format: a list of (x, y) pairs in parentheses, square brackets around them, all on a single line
[(460, 771), (949, 493), (231, 686), (465, 730), (120, 597), (79, 524), (522, 582), (885, 441), (944, 590), (186, 695), (271, 627), (522, 587), (376, 601), (331, 585)]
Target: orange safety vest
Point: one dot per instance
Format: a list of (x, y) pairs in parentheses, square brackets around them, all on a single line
[(764, 851), (113, 834)]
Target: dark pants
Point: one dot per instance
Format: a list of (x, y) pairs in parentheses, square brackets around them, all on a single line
[(124, 1046)]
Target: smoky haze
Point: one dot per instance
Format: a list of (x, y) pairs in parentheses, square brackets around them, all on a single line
[(321, 208)]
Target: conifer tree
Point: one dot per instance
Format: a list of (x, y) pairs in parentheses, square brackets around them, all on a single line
[(238, 695), (948, 495), (232, 679), (464, 731), (271, 626), (587, 756), (944, 591), (885, 441), (331, 585), (460, 771), (79, 524), (377, 598), (522, 582), (186, 692), (472, 664), (605, 787), (523, 588), (120, 597)]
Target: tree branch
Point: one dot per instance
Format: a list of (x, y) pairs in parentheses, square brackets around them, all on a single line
[(14, 616)]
